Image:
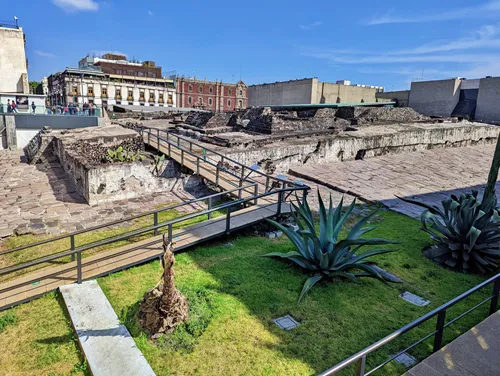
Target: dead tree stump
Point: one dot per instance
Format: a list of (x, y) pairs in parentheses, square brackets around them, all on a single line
[(163, 307)]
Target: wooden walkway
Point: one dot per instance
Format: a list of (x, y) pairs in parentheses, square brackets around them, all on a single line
[(475, 353), (50, 278)]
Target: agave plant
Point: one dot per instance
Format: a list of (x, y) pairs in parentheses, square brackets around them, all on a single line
[(323, 253), (466, 232)]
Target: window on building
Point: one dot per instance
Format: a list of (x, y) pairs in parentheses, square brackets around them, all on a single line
[(141, 95), (229, 91), (104, 92), (130, 73), (151, 97), (118, 93), (211, 90), (190, 100), (118, 71), (190, 87), (130, 95), (160, 98), (75, 90), (241, 92), (240, 104), (200, 100), (140, 74), (90, 91), (170, 99), (200, 89), (229, 102), (210, 101)]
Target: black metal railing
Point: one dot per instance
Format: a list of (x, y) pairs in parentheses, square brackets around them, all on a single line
[(359, 359)]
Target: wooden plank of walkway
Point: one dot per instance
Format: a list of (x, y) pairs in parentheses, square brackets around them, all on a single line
[(475, 353), (50, 278), (108, 346)]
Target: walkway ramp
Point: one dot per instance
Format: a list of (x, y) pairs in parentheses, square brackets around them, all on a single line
[(108, 346), (475, 353)]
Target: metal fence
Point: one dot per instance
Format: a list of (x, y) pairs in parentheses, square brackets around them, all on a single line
[(359, 360), (51, 110)]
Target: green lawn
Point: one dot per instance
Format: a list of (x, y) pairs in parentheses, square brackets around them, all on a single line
[(231, 330)]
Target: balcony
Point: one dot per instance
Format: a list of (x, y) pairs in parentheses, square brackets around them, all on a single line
[(118, 96), (141, 99), (130, 98), (170, 101), (90, 94), (151, 100), (104, 95), (161, 100)]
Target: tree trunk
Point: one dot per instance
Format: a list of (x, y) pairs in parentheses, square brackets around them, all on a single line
[(489, 197), (163, 307)]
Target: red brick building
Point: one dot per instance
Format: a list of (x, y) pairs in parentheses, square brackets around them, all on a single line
[(213, 96)]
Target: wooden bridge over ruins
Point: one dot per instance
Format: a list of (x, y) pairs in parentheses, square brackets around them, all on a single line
[(254, 197)]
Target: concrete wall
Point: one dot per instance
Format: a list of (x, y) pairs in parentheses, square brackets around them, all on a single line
[(435, 98), (334, 93), (488, 100), (13, 69), (279, 93), (401, 97)]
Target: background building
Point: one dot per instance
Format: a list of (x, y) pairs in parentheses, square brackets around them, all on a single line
[(214, 96), (400, 97), (112, 79), (310, 91)]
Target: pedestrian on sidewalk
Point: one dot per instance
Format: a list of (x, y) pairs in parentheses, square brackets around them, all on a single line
[(33, 108), (14, 107)]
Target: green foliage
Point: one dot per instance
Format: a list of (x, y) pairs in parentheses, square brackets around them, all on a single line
[(158, 162), (324, 253), (8, 319), (184, 337), (466, 232), (121, 155)]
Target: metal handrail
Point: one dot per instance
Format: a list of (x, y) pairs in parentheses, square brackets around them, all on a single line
[(113, 223), (360, 358), (223, 156)]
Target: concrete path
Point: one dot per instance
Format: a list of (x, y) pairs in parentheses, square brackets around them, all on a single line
[(475, 353), (430, 176), (108, 346)]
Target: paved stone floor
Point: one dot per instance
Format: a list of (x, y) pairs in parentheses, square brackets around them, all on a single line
[(40, 199), (429, 176), (474, 353)]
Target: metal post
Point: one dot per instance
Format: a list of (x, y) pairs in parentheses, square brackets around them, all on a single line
[(228, 220), (155, 222), (280, 198), (210, 207), (149, 135), (79, 267), (167, 136), (360, 366), (242, 172), (217, 176), (255, 193), (158, 138), (72, 241), (438, 337), (239, 190), (197, 165), (182, 157), (170, 236), (169, 150), (494, 299), (267, 184), (190, 146)]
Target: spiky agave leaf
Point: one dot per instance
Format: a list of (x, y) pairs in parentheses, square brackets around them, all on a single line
[(323, 252)]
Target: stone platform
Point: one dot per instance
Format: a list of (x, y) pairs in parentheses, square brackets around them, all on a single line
[(107, 345)]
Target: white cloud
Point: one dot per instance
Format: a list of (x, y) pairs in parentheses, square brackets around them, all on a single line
[(44, 54), (311, 26), (76, 5), (150, 13), (485, 10)]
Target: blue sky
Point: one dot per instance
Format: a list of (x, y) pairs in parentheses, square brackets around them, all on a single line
[(374, 43)]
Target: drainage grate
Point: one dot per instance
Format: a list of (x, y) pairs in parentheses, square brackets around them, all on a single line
[(406, 359), (286, 322), (414, 299)]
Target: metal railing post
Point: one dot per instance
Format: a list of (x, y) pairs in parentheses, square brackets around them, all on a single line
[(149, 136), (182, 157), (79, 267), (158, 138), (217, 176), (155, 222), (438, 337), (494, 299), (240, 184), (72, 242), (267, 184), (255, 193), (210, 207), (170, 232), (228, 220), (197, 165), (280, 198), (190, 146), (360, 366), (169, 150)]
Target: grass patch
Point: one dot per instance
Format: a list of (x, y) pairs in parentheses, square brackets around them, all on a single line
[(235, 293)]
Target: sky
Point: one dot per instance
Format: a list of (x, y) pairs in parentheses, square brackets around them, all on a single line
[(381, 43)]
